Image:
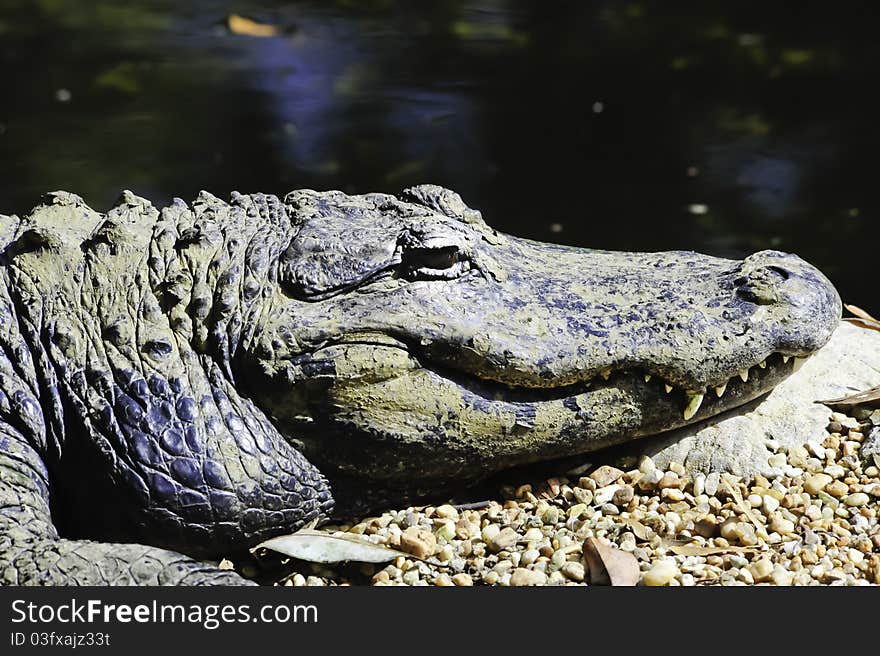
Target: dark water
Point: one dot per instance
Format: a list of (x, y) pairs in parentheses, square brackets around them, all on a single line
[(726, 127)]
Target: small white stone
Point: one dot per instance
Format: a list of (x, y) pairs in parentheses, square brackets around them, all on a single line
[(761, 569), (574, 570), (529, 556), (523, 577), (490, 531), (816, 483), (443, 580), (770, 503), (781, 576), (672, 494), (855, 556), (605, 494), (835, 471), (781, 525), (646, 464), (661, 573), (856, 500), (713, 480), (699, 484)]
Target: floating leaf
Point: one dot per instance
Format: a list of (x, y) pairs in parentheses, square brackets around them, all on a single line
[(609, 565), (320, 547), (241, 25)]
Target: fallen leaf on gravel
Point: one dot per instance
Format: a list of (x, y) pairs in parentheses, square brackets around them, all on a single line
[(320, 547), (869, 398), (609, 565), (241, 25), (696, 550), (730, 483), (641, 531)]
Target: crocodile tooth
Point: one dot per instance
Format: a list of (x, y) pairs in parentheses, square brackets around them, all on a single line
[(798, 363), (693, 404), (668, 388), (719, 391), (763, 364), (647, 378), (785, 359), (605, 373), (744, 374)]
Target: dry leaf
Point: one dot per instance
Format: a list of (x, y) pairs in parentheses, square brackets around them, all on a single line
[(641, 531), (609, 565), (695, 550), (241, 25), (869, 398), (745, 508), (320, 547), (861, 323), (863, 320), (860, 313)]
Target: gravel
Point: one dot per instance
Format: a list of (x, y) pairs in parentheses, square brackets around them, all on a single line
[(816, 524)]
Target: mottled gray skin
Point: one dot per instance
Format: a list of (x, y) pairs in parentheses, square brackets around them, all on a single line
[(188, 381)]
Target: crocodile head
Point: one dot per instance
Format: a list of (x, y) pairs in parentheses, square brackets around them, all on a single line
[(408, 341)]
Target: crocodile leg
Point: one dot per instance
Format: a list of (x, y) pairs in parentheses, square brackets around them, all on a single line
[(31, 552)]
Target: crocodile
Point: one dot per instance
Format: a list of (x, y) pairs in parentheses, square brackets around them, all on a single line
[(184, 383)]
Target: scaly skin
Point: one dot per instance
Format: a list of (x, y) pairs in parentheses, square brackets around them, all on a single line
[(168, 379)]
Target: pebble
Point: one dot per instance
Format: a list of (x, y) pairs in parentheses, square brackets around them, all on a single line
[(623, 496), (504, 539), (522, 577), (761, 569), (835, 471), (443, 581), (816, 483), (446, 512), (574, 570), (837, 489), (781, 576), (605, 494), (463, 580), (417, 541), (650, 480), (780, 525), (661, 573), (669, 480), (671, 494), (821, 526), (713, 480), (605, 475), (857, 499), (769, 503)]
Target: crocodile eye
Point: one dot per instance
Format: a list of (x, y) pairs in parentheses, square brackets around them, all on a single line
[(444, 263)]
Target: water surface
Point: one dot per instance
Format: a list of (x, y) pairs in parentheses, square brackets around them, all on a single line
[(719, 127)]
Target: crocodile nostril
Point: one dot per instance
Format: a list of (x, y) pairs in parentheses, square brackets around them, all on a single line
[(779, 271)]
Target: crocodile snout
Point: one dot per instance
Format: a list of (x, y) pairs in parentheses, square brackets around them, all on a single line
[(794, 293)]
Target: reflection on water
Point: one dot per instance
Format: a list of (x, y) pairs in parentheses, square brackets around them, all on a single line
[(725, 128)]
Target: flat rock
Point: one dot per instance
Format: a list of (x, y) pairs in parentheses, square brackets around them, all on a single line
[(735, 442)]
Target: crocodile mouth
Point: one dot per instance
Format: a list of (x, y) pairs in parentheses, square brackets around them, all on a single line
[(375, 407), (740, 387), (745, 384)]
